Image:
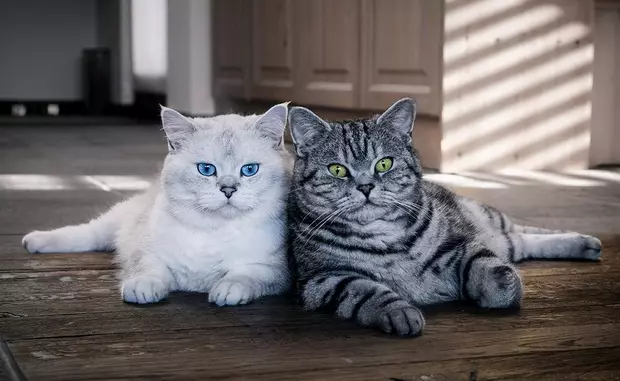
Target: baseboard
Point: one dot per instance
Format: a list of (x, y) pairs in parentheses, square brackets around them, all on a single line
[(146, 107), (16, 107)]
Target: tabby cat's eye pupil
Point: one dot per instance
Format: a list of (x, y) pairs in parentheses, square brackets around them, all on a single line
[(337, 170), (384, 165)]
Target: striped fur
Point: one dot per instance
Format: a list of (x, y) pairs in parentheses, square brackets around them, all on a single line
[(410, 243)]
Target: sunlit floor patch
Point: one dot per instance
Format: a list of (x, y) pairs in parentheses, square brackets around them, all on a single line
[(106, 183)]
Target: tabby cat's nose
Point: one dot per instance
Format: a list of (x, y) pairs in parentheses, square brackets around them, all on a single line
[(365, 189), (228, 191)]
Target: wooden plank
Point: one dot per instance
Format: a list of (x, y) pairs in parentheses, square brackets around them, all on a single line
[(14, 258), (82, 284), (249, 350), (95, 291), (278, 313), (589, 364)]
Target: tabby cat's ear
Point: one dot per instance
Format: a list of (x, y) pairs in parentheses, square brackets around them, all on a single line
[(305, 127), (400, 116), (272, 123), (177, 127)]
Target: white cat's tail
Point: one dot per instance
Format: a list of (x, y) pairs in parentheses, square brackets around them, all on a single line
[(97, 235)]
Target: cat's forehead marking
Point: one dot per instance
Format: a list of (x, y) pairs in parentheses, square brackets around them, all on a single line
[(354, 142), (228, 140)]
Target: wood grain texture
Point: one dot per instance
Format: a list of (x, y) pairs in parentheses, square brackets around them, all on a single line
[(62, 318), (72, 325)]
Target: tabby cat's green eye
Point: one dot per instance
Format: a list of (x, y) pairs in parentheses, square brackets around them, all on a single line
[(384, 165), (337, 170)]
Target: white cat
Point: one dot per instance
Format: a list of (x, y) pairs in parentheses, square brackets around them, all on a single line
[(215, 222)]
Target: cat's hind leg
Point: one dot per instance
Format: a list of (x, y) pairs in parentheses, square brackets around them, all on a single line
[(490, 281), (525, 229), (553, 246)]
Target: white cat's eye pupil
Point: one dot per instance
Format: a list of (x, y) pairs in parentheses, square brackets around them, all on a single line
[(206, 169), (249, 169)]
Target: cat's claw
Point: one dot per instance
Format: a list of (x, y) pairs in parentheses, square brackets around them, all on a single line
[(230, 293), (143, 290), (407, 321)]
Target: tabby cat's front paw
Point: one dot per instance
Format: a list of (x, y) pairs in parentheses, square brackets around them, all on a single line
[(406, 321), (143, 290), (231, 292)]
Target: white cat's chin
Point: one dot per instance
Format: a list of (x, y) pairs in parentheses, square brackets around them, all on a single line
[(229, 210)]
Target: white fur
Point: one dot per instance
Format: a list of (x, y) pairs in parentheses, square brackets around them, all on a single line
[(183, 233)]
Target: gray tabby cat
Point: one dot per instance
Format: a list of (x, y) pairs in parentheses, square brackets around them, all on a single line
[(372, 240)]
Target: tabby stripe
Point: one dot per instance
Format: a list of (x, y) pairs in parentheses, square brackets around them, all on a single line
[(511, 248), (365, 126), (349, 247), (365, 137), (487, 210), (443, 249), (320, 280), (334, 301), (307, 178), (356, 270), (360, 304), (383, 293), (328, 294), (456, 255), (410, 328), (343, 231), (426, 216), (484, 253), (389, 301), (502, 222)]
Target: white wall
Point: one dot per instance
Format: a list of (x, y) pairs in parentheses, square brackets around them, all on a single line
[(149, 40), (189, 82), (517, 85), (40, 47), (605, 148)]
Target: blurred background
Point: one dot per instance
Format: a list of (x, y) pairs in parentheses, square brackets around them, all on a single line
[(500, 85)]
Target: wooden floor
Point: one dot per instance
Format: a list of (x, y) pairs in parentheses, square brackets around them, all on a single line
[(61, 316)]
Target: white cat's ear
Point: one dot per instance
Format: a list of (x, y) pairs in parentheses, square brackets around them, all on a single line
[(272, 123), (305, 127), (399, 116), (177, 127)]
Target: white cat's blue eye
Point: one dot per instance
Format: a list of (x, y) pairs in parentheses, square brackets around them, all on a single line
[(249, 169), (206, 169)]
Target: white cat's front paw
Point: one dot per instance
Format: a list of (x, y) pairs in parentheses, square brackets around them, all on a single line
[(231, 293), (40, 242), (593, 248), (143, 289)]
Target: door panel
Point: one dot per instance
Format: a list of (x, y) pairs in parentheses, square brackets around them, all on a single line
[(327, 47), (272, 58), (232, 47), (401, 53)]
